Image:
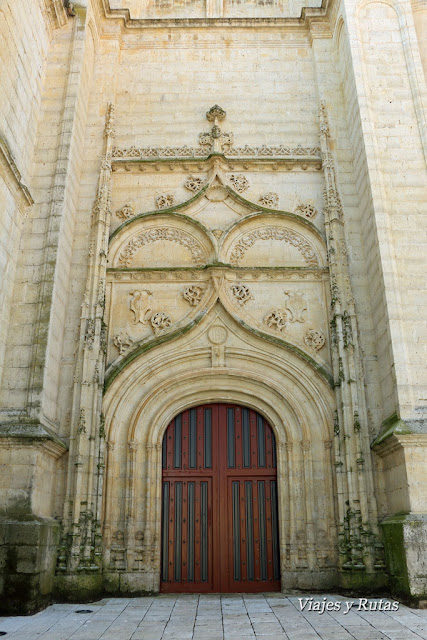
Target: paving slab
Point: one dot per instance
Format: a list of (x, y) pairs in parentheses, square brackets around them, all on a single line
[(221, 617)]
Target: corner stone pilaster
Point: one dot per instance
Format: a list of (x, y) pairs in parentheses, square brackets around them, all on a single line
[(405, 528)]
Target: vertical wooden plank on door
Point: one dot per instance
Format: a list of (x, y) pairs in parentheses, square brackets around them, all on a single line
[(268, 530), (192, 438), (262, 530), (250, 566), (204, 535), (190, 531), (246, 439), (275, 531), (165, 531), (178, 532), (236, 530), (177, 442)]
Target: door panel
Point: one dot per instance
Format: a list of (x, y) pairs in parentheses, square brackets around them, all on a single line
[(219, 502)]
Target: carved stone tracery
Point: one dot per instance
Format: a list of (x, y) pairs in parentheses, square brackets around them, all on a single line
[(164, 233), (274, 233)]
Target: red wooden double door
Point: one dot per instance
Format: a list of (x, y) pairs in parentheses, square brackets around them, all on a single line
[(219, 502)]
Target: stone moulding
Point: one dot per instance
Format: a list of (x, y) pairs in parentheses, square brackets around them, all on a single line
[(309, 16), (12, 174), (32, 433), (296, 153)]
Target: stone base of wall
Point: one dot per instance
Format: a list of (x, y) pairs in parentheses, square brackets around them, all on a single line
[(405, 542), (363, 583), (28, 550), (320, 580), (79, 587)]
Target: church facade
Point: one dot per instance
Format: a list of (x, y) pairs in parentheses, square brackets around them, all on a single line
[(213, 326)]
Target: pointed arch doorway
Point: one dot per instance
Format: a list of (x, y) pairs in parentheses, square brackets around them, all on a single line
[(220, 529)]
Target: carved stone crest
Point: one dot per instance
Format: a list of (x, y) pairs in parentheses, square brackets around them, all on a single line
[(296, 304), (123, 342), (216, 193), (140, 305), (276, 319)]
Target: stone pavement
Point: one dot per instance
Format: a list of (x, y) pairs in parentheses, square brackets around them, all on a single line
[(213, 617)]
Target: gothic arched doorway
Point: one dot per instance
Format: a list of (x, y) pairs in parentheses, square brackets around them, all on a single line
[(219, 502)]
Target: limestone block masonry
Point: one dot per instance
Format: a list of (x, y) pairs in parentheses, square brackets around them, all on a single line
[(211, 202)]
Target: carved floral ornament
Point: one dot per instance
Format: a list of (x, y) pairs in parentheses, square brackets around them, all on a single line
[(314, 340), (270, 200), (239, 182), (126, 212), (193, 184), (307, 210), (242, 294), (165, 200), (166, 234), (193, 294), (274, 233)]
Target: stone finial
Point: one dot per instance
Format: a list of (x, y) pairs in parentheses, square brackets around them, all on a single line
[(215, 113)]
